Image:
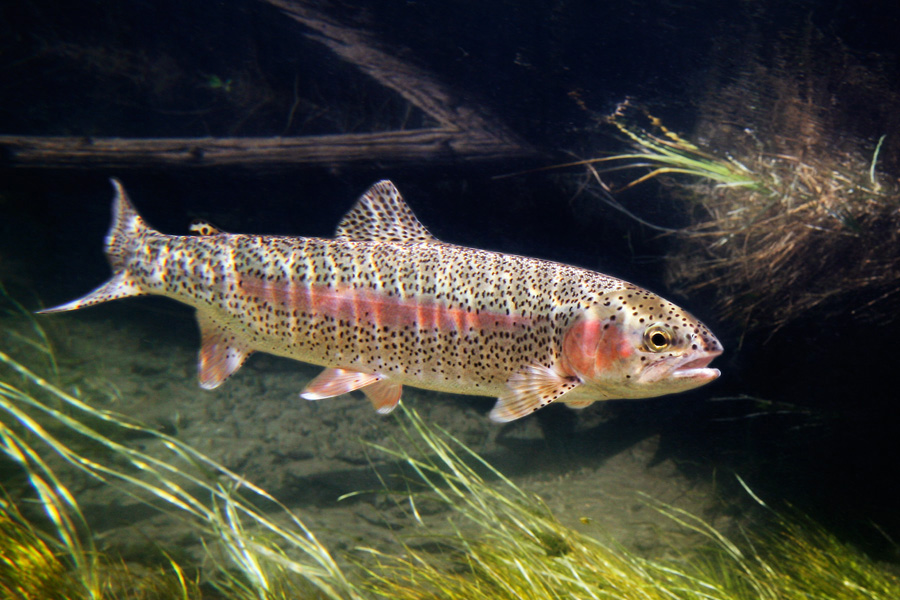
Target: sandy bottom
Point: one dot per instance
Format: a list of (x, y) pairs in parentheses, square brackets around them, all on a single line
[(139, 358)]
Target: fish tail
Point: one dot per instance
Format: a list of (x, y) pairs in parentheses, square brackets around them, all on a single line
[(126, 232)]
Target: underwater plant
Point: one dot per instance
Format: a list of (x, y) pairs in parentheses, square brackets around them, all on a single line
[(520, 550), (34, 564)]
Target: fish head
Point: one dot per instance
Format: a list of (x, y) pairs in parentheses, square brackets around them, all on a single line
[(632, 343)]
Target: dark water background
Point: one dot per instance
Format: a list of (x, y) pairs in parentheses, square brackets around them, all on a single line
[(160, 69)]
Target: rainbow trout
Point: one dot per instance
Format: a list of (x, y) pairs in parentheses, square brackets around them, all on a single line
[(384, 304)]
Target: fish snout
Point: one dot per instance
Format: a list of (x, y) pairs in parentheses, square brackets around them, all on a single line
[(695, 365)]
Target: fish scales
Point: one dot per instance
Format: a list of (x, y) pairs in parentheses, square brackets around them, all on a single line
[(441, 315), (384, 304)]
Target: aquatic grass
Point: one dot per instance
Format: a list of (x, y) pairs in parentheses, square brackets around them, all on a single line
[(518, 548), (30, 564), (186, 484), (35, 565), (38, 340), (671, 154), (665, 154), (506, 543), (57, 502), (787, 556), (250, 529)]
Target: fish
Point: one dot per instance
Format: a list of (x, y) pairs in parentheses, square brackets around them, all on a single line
[(384, 304)]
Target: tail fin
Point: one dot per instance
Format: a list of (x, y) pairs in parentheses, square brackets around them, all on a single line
[(127, 227)]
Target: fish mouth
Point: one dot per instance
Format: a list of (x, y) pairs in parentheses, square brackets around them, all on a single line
[(696, 368)]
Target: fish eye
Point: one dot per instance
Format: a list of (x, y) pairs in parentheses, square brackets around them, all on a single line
[(658, 337)]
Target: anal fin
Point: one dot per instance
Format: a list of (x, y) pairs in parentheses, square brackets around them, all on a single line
[(529, 390), (221, 352), (334, 382), (384, 394)]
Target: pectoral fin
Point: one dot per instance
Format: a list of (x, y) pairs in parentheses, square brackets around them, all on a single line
[(221, 352), (529, 390)]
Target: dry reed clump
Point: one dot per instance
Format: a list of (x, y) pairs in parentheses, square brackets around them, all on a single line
[(791, 207), (815, 229)]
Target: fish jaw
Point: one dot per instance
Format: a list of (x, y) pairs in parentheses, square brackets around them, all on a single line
[(696, 369), (676, 375)]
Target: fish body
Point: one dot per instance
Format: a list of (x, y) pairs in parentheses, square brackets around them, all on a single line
[(384, 304)]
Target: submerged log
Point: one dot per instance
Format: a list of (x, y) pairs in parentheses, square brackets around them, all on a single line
[(411, 146)]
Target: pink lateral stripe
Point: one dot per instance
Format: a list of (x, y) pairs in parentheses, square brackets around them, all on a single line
[(378, 309)]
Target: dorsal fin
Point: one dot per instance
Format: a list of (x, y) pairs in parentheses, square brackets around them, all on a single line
[(381, 215), (201, 227)]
